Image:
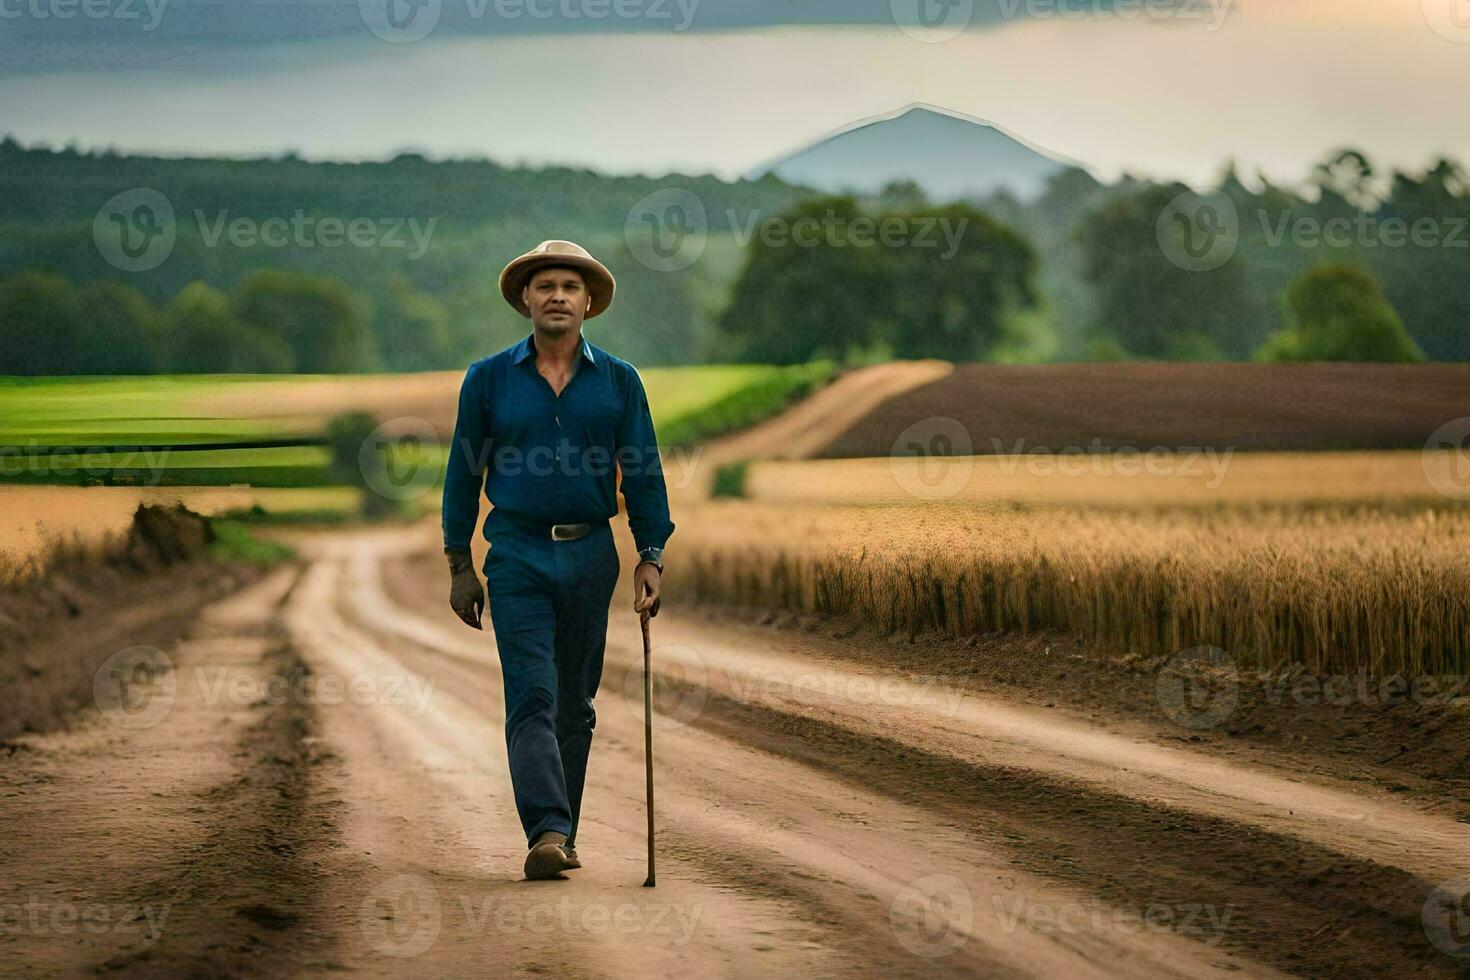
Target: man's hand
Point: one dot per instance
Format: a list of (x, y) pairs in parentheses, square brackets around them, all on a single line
[(645, 588), (466, 594)]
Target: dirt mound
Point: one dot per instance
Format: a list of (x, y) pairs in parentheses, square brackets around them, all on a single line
[(162, 536), (71, 608)]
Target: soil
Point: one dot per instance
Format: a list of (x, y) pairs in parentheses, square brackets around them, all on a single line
[(1143, 405), (829, 803)]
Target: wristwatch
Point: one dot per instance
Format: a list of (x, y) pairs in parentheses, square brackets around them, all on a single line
[(654, 556)]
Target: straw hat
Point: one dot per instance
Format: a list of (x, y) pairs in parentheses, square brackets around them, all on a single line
[(600, 282)]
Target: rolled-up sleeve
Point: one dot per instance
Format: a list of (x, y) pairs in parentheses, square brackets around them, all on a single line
[(464, 476), (641, 468)]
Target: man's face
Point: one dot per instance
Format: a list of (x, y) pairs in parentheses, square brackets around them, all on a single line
[(558, 300)]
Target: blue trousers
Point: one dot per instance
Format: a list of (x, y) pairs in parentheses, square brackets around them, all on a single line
[(548, 605)]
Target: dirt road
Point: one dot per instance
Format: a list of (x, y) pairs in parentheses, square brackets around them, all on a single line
[(317, 784)]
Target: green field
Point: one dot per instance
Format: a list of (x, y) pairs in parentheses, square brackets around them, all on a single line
[(56, 430)]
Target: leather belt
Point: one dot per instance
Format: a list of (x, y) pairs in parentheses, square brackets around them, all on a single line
[(540, 529)]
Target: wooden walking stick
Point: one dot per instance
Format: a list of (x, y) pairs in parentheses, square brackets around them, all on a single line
[(648, 744)]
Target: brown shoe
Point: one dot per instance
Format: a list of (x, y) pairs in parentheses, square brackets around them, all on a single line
[(571, 852), (546, 859)]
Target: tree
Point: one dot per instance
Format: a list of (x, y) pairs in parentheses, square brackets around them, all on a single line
[(1151, 304), (1339, 314), (120, 331), (319, 319), (793, 303), (1347, 175), (200, 335), (412, 329), (828, 279), (41, 324), (954, 299)]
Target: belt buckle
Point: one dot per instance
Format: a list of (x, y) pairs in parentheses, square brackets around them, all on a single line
[(568, 532)]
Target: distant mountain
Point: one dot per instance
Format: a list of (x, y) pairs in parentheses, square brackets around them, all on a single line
[(947, 153)]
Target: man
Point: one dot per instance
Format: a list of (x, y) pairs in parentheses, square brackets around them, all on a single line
[(544, 428)]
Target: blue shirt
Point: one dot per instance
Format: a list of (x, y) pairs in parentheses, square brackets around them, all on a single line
[(554, 459)]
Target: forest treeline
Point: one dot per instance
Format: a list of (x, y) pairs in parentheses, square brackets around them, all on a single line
[(288, 265)]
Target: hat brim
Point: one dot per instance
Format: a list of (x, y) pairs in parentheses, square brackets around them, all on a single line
[(600, 282)]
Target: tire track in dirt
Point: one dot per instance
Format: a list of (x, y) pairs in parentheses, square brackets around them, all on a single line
[(191, 804), (853, 859), (1303, 908), (430, 828), (1317, 875), (946, 719)]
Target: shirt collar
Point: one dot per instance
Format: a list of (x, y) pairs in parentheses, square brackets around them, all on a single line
[(527, 347)]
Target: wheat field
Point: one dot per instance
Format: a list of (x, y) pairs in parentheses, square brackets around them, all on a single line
[(1352, 563)]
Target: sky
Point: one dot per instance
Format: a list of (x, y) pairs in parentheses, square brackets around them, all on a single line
[(1273, 84)]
